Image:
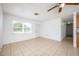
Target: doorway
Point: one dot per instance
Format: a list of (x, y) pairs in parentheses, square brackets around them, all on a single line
[(69, 33)]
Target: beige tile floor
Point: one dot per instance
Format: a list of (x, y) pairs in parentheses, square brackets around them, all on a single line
[(40, 47)]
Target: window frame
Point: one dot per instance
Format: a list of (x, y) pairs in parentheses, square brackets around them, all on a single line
[(23, 23)]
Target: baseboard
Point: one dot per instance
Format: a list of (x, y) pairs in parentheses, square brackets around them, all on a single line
[(19, 41), (30, 39), (51, 38)]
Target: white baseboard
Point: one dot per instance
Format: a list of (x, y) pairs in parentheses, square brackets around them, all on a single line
[(19, 40), (51, 38)]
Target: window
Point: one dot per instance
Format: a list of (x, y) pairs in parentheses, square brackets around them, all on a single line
[(27, 27), (21, 27)]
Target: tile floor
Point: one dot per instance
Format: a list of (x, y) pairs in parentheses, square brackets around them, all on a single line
[(40, 47)]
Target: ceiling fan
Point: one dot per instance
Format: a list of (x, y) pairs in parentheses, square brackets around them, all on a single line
[(61, 5)]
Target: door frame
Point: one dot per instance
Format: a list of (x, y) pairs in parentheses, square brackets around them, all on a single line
[(74, 30)]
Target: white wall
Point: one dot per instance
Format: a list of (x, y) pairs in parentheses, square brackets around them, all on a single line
[(63, 30), (38, 29), (10, 37), (52, 29), (1, 26)]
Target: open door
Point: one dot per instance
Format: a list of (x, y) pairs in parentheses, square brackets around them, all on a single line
[(77, 25)]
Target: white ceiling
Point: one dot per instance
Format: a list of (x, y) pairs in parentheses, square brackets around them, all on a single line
[(27, 10)]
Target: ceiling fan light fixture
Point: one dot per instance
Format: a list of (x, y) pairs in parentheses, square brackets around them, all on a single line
[(36, 14)]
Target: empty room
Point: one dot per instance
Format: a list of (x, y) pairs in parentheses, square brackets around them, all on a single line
[(39, 29)]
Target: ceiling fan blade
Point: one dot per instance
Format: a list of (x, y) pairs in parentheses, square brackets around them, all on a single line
[(60, 9), (72, 3), (53, 8)]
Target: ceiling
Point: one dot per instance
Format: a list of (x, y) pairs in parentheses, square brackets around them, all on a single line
[(27, 10)]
